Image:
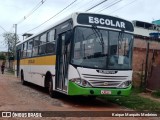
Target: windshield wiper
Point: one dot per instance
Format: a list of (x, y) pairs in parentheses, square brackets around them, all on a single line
[(99, 34)]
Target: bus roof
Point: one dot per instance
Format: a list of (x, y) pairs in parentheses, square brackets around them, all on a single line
[(65, 19), (55, 24)]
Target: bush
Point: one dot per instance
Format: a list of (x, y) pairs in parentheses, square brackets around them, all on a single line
[(2, 57), (156, 93)]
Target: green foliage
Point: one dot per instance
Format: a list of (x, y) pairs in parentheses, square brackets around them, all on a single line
[(156, 93), (2, 57), (10, 40), (136, 102), (137, 90)]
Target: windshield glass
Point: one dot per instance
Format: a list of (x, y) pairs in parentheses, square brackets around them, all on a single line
[(102, 49)]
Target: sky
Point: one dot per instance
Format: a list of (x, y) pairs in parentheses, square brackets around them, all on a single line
[(14, 11)]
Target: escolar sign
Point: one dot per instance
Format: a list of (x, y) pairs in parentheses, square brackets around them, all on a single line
[(105, 21), (102, 21)]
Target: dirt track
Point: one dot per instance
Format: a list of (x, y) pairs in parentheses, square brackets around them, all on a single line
[(16, 97)]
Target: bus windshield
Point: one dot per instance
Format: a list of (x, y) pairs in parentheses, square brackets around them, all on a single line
[(102, 49)]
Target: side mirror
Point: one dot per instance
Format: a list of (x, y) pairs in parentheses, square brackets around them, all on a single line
[(68, 36)]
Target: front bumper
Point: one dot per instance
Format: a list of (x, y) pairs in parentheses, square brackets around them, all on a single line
[(74, 89)]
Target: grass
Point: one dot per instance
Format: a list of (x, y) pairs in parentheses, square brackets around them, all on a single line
[(156, 94), (136, 102)]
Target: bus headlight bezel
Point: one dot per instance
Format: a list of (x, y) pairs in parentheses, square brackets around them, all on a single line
[(125, 84), (81, 82)]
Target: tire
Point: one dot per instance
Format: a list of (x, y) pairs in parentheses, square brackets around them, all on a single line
[(52, 93), (23, 82)]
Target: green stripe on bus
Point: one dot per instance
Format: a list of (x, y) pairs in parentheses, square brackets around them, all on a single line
[(74, 89)]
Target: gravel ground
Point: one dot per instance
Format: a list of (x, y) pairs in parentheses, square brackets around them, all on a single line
[(16, 97)]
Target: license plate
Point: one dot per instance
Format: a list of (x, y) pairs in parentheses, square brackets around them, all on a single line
[(105, 92)]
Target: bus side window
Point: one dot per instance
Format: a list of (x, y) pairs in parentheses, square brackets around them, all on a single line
[(24, 49), (35, 48), (50, 42), (29, 48), (42, 46), (51, 35)]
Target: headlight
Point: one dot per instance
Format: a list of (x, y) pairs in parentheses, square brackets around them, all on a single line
[(125, 84), (81, 82)]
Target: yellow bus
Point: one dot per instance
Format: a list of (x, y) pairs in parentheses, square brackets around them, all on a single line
[(84, 54)]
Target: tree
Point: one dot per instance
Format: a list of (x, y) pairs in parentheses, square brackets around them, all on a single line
[(11, 40), (2, 56)]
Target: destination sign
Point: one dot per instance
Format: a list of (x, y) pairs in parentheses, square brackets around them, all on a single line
[(105, 21)]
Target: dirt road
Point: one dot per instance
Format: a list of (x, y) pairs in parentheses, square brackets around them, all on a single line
[(16, 97)]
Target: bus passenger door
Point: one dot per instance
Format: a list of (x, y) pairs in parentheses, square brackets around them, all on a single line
[(62, 63), (18, 62)]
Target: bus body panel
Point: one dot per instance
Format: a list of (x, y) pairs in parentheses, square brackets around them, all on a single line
[(121, 75), (35, 69)]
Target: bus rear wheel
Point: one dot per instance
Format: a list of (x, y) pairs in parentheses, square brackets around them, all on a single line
[(52, 93), (23, 82)]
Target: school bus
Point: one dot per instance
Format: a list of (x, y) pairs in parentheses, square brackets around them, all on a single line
[(84, 54)]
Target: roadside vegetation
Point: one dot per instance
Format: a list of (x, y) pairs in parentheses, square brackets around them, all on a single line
[(156, 94), (136, 102), (2, 56)]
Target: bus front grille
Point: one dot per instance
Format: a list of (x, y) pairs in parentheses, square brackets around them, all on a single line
[(99, 83), (104, 81)]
